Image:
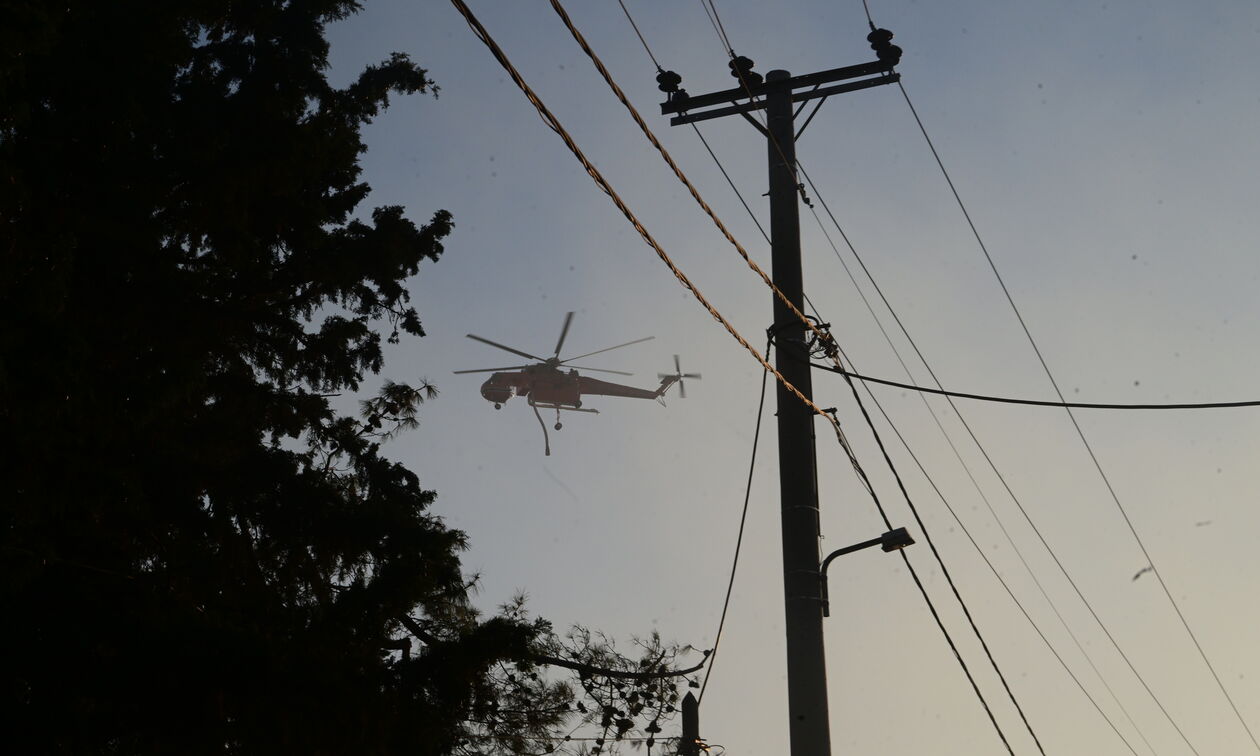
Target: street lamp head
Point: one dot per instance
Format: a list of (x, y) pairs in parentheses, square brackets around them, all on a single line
[(895, 540)]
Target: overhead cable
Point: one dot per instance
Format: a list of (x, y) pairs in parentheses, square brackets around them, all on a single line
[(1079, 431), (940, 561), (678, 173), (739, 538), (554, 124), (847, 448), (639, 34), (712, 12), (975, 483), (927, 599), (1002, 581), (1033, 402), (993, 466)]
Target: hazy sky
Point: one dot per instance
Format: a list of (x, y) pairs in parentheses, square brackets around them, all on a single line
[(1107, 153)]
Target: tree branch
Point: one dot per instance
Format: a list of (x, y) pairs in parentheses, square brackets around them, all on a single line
[(589, 669)]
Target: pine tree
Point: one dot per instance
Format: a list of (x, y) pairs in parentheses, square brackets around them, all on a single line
[(198, 553)]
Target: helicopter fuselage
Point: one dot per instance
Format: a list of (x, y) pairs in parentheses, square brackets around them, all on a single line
[(541, 384), (551, 387)]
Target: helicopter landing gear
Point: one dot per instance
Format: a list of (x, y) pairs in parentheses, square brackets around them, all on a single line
[(498, 406), (559, 426)]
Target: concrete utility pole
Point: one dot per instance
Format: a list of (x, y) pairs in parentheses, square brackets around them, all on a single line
[(798, 477)]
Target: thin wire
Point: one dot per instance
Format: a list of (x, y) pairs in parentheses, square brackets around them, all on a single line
[(639, 35), (879, 506), (678, 173), (1088, 448), (940, 561), (993, 466), (695, 194), (554, 124), (734, 188), (696, 128), (739, 538), (905, 445), (967, 469), (869, 20), (713, 21), (719, 27), (1035, 402)]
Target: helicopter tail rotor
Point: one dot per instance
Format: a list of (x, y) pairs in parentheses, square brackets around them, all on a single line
[(679, 375)]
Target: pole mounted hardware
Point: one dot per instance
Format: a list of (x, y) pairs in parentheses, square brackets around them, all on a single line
[(691, 109), (804, 583), (742, 69), (893, 540)]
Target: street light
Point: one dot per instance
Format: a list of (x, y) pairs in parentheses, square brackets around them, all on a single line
[(893, 540)]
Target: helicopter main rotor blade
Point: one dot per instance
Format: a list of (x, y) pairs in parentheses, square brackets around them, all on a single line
[(609, 349), (564, 331), (489, 370), (600, 370), (475, 337)]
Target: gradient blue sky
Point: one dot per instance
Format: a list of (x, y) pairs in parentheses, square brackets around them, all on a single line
[(1108, 154)]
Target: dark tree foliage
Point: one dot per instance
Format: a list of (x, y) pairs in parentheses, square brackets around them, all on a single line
[(198, 553)]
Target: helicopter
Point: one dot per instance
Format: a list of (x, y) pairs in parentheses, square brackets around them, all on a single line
[(552, 383)]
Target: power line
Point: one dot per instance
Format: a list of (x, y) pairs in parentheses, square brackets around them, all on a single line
[(967, 469), (711, 11), (639, 34), (848, 449), (940, 561), (555, 125), (852, 457), (1080, 433), (949, 639), (1011, 593), (1034, 402), (993, 466), (734, 188), (739, 538), (669, 160)]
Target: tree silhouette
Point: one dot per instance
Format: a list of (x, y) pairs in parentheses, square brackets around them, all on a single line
[(198, 554)]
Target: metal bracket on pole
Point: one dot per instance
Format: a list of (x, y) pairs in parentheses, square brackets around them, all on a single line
[(893, 540)]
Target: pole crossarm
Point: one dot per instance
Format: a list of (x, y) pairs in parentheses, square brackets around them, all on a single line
[(879, 73)]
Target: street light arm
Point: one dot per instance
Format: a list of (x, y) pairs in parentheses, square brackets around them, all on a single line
[(893, 540), (848, 550)]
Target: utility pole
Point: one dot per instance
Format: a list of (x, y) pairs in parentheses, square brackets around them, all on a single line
[(809, 729), (689, 745)]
